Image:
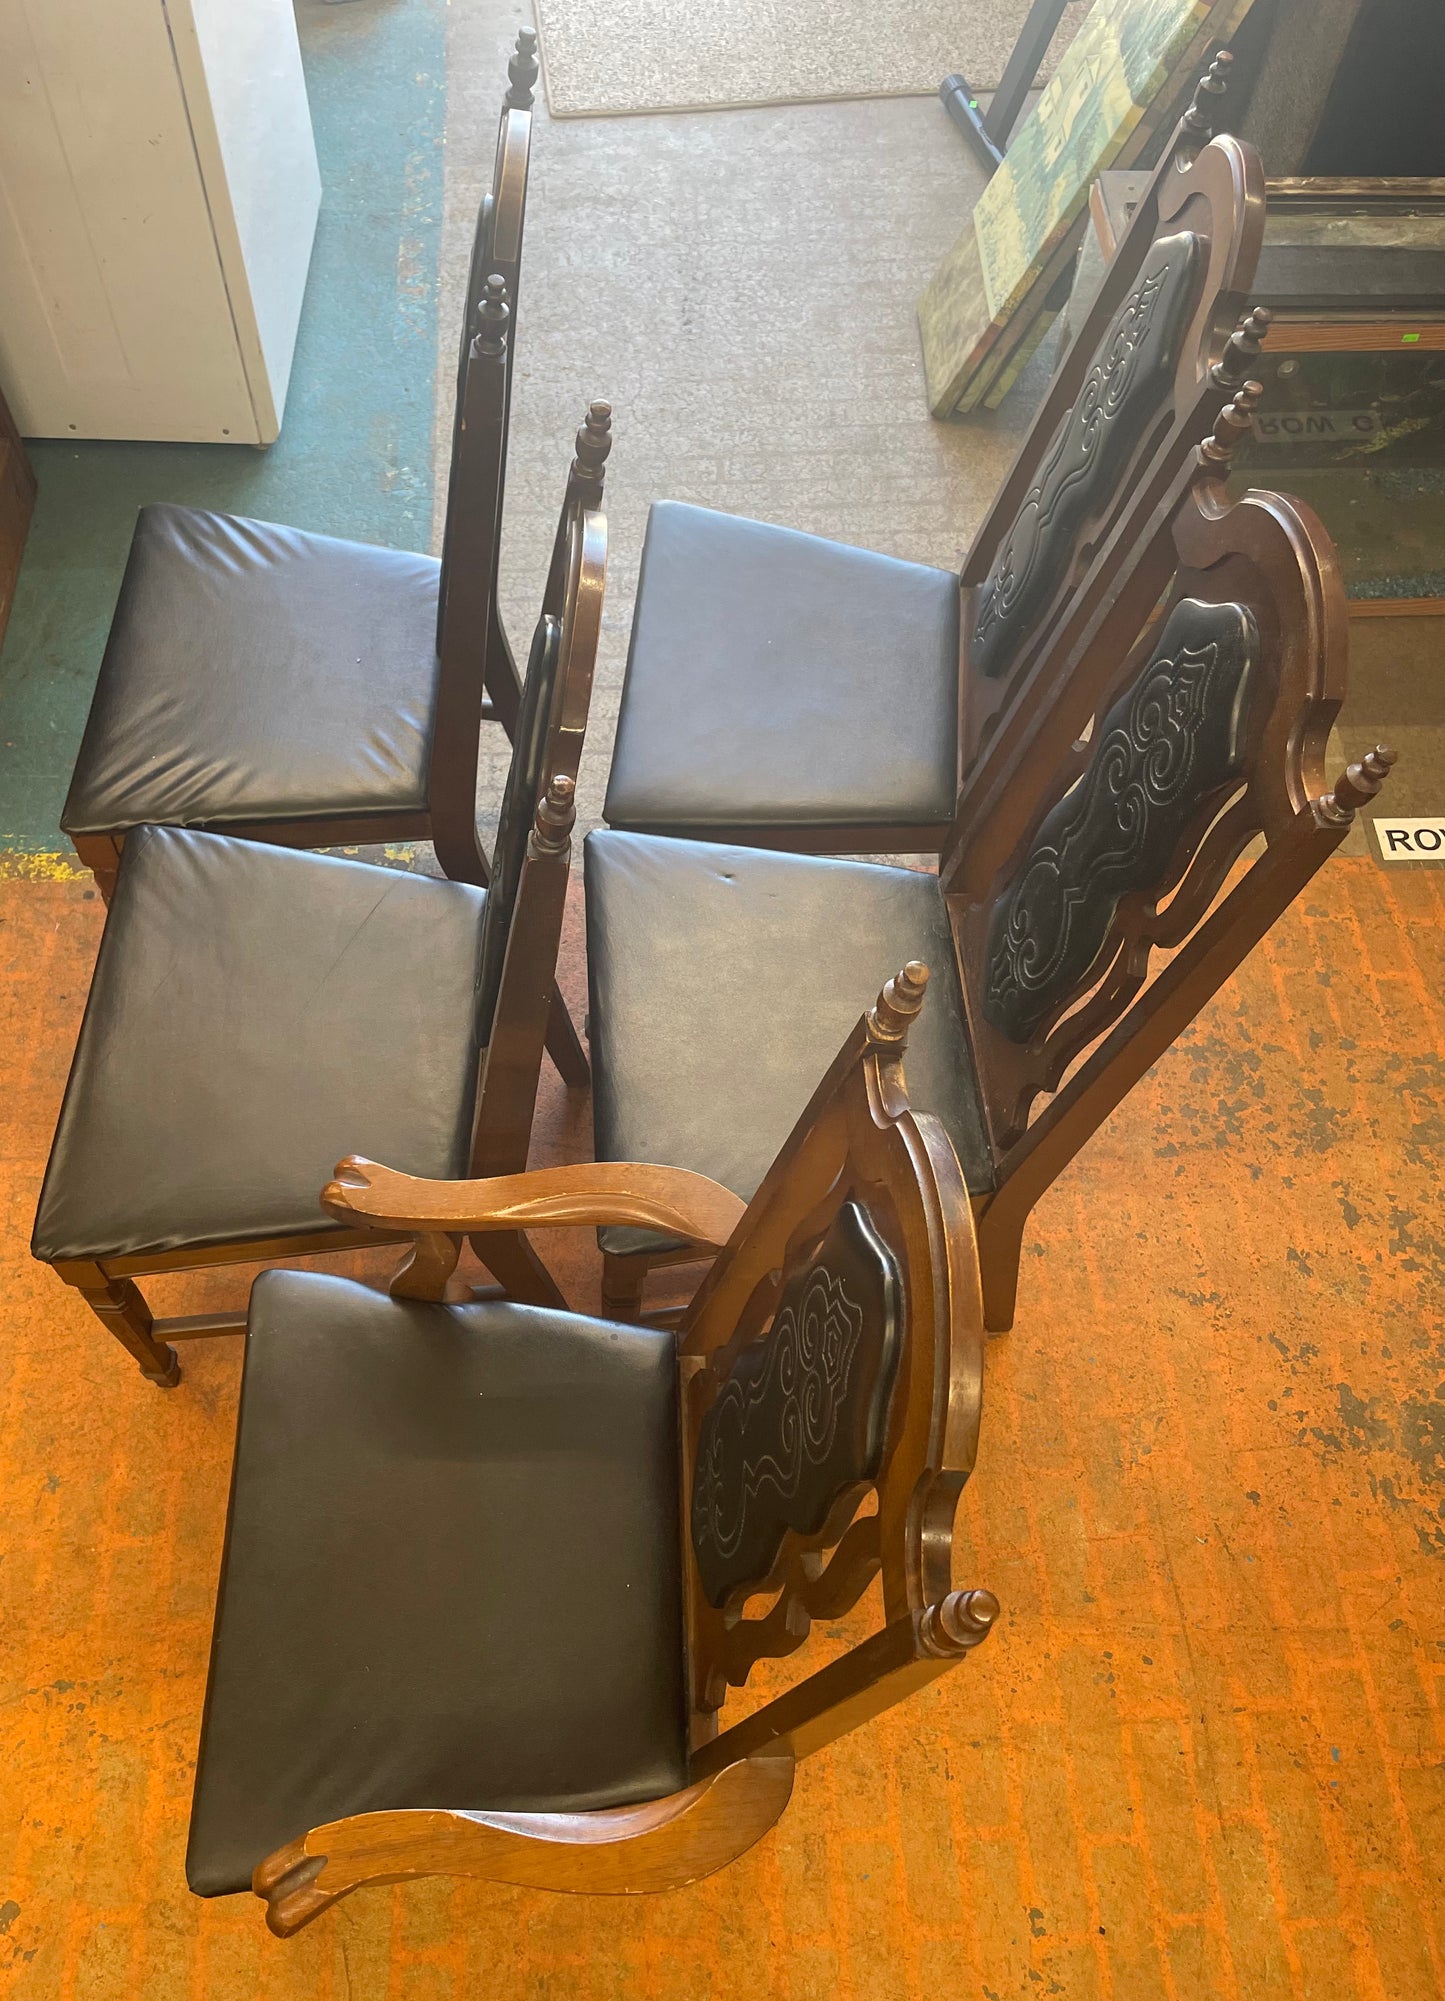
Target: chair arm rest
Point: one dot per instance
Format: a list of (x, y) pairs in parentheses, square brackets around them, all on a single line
[(624, 1851), (668, 1199)]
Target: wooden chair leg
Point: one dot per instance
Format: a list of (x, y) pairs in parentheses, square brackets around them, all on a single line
[(101, 855), (1000, 1249), (119, 1305), (623, 1279), (508, 1255), (564, 1045)]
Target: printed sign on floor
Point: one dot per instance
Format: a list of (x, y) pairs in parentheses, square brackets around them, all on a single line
[(1417, 838), (1288, 427)]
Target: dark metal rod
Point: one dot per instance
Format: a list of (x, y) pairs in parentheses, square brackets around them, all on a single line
[(988, 132), (1022, 67)]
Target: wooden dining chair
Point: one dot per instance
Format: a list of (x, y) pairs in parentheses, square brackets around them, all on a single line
[(789, 692), (255, 1010), (288, 687), (1095, 890), (502, 1643)]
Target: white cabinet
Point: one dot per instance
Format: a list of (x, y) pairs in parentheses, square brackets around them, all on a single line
[(158, 200)]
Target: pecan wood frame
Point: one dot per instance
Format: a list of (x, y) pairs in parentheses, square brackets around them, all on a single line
[(511, 1060), (857, 1146), (477, 677)]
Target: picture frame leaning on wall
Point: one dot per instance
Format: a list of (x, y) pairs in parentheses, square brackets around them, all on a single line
[(1125, 77)]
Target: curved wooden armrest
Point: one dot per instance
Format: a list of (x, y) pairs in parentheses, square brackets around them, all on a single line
[(622, 1852), (669, 1199)]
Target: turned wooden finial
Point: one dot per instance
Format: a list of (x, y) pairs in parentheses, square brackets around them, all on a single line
[(1242, 348), (1356, 785), (892, 1014), (1230, 426), (556, 813), (522, 72), (958, 1622), (493, 314), (1204, 105), (594, 442)]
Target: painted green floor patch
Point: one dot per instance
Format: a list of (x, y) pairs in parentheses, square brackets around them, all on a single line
[(354, 455)]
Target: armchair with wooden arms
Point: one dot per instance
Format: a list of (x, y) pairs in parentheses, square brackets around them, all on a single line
[(479, 1613)]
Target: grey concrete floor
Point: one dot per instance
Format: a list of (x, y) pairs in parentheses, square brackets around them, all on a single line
[(741, 286)]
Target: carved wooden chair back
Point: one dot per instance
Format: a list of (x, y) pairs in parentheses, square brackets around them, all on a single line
[(1142, 380), (463, 700), (527, 898), (522, 921), (471, 639), (833, 1354), (1115, 859)]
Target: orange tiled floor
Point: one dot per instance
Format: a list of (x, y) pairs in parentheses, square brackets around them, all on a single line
[(1204, 1754)]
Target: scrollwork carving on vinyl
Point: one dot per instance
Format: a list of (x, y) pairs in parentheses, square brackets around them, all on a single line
[(802, 1414), (1123, 390), (1173, 740)]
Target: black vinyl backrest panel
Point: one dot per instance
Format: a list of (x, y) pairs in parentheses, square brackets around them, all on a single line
[(1174, 739), (519, 805), (802, 1416), (1121, 396)]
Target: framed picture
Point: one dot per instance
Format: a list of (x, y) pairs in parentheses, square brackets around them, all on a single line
[(1126, 75)]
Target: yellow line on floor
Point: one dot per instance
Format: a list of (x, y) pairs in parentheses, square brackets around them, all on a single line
[(16, 866)]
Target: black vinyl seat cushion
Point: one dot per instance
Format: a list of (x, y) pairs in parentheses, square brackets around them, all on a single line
[(778, 680), (258, 673), (255, 1014), (724, 980), (452, 1573)]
